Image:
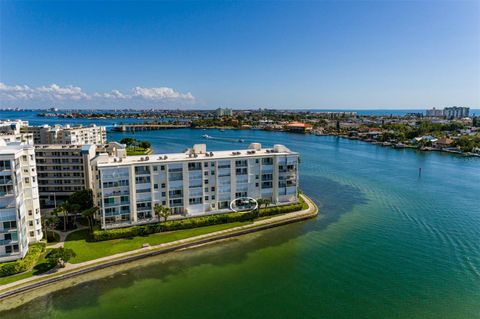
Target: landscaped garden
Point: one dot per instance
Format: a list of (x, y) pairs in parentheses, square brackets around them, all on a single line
[(93, 243), (88, 250)]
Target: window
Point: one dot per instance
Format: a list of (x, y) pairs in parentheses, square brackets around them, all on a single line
[(241, 163), (155, 186), (5, 165), (164, 194), (142, 179), (8, 249), (195, 200), (206, 181), (206, 197), (163, 185), (267, 161), (242, 171), (27, 180), (162, 168), (30, 223), (30, 212), (194, 166), (8, 237), (213, 188), (32, 234)]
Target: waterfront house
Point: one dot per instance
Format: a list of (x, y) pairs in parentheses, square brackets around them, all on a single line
[(298, 127), (444, 142)]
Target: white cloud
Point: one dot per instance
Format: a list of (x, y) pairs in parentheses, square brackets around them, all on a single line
[(56, 93), (52, 92), (160, 93)]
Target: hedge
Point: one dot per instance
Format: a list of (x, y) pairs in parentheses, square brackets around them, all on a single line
[(21, 265), (171, 225)]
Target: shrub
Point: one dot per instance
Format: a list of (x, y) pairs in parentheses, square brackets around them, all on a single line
[(21, 265), (171, 225)]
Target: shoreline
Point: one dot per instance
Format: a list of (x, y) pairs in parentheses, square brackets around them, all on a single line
[(73, 270)]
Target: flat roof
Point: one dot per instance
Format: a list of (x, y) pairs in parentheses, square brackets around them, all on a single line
[(11, 148), (182, 157)]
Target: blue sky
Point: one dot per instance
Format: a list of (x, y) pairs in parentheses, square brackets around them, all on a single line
[(329, 54)]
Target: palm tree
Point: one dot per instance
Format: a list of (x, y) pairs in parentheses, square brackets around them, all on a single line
[(162, 212), (260, 202), (50, 224), (263, 202), (165, 213), (61, 209), (89, 215)]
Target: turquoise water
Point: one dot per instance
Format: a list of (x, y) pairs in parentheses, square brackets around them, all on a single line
[(387, 244)]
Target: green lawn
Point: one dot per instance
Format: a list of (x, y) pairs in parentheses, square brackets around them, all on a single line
[(40, 267), (136, 150), (92, 250)]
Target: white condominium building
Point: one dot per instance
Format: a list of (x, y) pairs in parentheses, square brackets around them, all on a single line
[(20, 221), (193, 183), (72, 135), (10, 131)]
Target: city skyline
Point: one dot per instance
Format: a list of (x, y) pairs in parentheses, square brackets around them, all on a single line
[(323, 55)]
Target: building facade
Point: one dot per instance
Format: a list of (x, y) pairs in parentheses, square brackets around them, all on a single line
[(62, 170), (193, 183), (10, 131), (456, 112), (20, 221), (433, 112), (69, 135)]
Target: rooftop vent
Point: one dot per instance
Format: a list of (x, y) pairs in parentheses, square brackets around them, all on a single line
[(147, 158)]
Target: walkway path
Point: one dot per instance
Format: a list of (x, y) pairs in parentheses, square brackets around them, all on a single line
[(63, 235), (71, 270)]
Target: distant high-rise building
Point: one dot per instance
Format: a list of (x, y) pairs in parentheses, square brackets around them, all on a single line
[(434, 113), (224, 112), (456, 112)]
